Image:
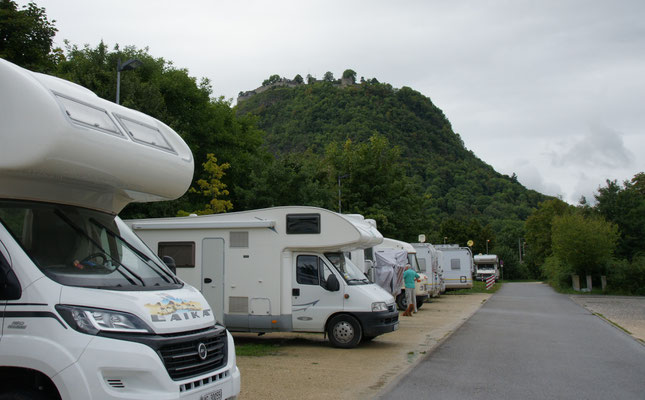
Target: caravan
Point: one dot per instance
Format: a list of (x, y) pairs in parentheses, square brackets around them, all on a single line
[(428, 258), (485, 266), (278, 269), (87, 311), (457, 265)]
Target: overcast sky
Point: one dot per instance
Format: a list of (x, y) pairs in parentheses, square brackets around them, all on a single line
[(552, 90)]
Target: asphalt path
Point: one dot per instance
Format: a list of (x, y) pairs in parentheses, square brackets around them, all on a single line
[(529, 342)]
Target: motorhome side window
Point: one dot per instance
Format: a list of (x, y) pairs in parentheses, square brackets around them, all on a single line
[(308, 270), (455, 264), (303, 224), (182, 252)]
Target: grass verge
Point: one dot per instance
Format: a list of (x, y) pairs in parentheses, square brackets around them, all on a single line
[(256, 349), (478, 287)]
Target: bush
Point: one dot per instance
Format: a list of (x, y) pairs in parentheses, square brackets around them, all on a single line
[(627, 278), (557, 273)]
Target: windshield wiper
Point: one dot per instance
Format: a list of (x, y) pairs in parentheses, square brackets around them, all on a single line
[(139, 253)]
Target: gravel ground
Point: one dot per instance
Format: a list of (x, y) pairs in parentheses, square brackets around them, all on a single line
[(627, 312), (306, 366)]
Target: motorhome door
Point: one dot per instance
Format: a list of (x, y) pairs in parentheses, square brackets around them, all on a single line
[(311, 302), (213, 275)]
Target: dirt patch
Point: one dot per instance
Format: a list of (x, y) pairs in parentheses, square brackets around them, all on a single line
[(626, 312), (307, 364)]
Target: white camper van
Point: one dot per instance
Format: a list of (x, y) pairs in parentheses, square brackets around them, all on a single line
[(87, 311), (421, 286), (428, 258), (485, 266), (457, 265), (278, 269)]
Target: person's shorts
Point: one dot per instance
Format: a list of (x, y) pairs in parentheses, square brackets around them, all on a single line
[(409, 295)]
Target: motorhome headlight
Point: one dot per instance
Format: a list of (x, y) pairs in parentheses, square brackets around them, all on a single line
[(94, 320), (379, 306)]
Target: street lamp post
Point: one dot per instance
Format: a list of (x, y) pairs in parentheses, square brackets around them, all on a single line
[(339, 193), (126, 66), (487, 240)]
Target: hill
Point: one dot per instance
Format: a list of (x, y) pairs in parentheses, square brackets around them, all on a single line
[(459, 189)]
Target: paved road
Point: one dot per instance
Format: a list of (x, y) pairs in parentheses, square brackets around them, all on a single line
[(528, 342)]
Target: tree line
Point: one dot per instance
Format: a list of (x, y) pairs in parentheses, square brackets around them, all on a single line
[(387, 153)]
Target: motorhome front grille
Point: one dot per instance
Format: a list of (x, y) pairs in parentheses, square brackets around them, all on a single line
[(390, 308), (183, 360)]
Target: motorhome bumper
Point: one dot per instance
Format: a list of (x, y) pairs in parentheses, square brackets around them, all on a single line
[(377, 323), (111, 369)]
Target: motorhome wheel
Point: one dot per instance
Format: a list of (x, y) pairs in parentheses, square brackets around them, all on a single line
[(420, 301), (401, 301), (344, 331)]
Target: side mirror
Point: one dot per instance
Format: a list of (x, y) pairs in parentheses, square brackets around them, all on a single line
[(170, 263), (9, 285), (332, 283)]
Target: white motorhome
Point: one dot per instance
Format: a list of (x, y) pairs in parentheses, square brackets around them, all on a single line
[(428, 258), (278, 269), (87, 310), (485, 266), (457, 265), (421, 286)]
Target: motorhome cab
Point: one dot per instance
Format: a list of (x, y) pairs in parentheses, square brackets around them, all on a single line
[(87, 310), (278, 269), (485, 266), (457, 265)]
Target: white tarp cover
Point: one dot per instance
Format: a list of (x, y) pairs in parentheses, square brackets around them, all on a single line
[(388, 271)]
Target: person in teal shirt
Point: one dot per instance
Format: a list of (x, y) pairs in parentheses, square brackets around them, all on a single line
[(409, 278)]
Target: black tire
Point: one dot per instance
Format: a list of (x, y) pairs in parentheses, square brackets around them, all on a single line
[(344, 331), (24, 395), (401, 301), (420, 301)]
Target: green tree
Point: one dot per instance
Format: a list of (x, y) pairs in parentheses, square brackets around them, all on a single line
[(538, 233), (328, 77), (350, 74), (625, 206), (212, 188), (298, 79), (27, 36), (272, 79), (584, 245)]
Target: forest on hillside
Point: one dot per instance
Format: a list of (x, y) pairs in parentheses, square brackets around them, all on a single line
[(361, 147)]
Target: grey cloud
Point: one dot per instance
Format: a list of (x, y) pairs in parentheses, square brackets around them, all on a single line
[(601, 146)]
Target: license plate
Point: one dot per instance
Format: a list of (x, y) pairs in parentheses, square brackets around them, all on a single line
[(216, 395), (396, 326)]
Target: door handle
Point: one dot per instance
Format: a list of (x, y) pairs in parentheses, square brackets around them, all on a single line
[(208, 280), (295, 292)]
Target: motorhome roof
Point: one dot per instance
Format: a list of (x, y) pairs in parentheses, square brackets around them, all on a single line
[(62, 143), (485, 258), (336, 230)]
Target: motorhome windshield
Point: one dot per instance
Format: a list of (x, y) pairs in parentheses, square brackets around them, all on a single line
[(349, 271), (486, 266), (412, 260), (79, 247)]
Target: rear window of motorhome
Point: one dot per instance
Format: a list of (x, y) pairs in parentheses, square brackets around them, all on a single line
[(303, 223), (455, 264), (87, 115), (143, 133), (182, 252)]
